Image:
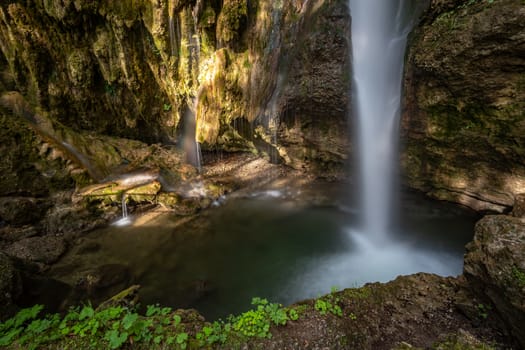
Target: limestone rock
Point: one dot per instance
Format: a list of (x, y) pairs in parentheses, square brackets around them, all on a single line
[(463, 127), (495, 266), (18, 211), (313, 130), (44, 250)]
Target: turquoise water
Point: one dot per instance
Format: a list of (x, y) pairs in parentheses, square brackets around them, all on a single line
[(277, 247)]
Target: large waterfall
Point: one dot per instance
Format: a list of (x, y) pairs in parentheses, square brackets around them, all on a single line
[(379, 36)]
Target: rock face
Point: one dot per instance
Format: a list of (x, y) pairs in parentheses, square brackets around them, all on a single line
[(10, 286), (312, 131), (495, 267), (463, 127), (44, 250), (153, 66)]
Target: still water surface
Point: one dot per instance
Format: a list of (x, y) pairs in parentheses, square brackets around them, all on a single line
[(271, 246)]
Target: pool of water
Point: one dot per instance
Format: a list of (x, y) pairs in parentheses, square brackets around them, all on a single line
[(277, 247)]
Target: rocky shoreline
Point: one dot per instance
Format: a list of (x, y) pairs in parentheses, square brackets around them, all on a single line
[(483, 306)]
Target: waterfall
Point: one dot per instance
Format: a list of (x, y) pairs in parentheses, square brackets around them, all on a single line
[(124, 207), (174, 31), (125, 220), (379, 36), (190, 145)]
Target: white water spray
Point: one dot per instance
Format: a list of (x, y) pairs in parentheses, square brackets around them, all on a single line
[(379, 36)]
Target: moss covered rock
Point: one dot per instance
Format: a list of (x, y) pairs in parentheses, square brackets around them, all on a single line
[(464, 124), (495, 265)]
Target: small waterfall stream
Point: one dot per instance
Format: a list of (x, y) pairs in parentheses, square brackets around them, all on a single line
[(379, 37), (190, 145), (125, 220)]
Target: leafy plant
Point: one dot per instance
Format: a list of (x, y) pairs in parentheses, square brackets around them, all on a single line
[(214, 334), (483, 310), (108, 328), (519, 276), (166, 107), (329, 304), (181, 339), (13, 327), (293, 315), (257, 322), (117, 327)]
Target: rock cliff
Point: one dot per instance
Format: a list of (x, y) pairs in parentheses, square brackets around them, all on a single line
[(138, 69), (464, 122)]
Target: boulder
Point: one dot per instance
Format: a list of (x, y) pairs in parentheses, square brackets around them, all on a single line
[(20, 211), (495, 267), (40, 250)]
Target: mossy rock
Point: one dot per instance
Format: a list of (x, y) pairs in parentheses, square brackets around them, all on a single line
[(231, 21)]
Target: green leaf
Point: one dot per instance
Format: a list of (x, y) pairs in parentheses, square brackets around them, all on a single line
[(115, 338), (181, 338), (152, 310), (293, 314), (87, 312), (176, 320), (129, 320)]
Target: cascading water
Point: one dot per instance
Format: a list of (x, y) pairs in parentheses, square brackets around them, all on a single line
[(174, 31), (125, 220), (190, 145), (379, 36), (124, 207)]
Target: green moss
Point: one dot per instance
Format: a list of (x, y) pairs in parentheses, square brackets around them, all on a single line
[(358, 293), (518, 276), (231, 20), (208, 17)]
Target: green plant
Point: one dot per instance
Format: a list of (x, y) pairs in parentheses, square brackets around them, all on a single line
[(519, 276), (216, 333), (329, 304), (13, 327), (257, 322), (293, 315), (325, 306), (483, 310), (166, 107), (108, 328)]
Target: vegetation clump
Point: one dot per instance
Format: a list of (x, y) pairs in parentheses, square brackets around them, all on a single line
[(519, 276), (115, 326)]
